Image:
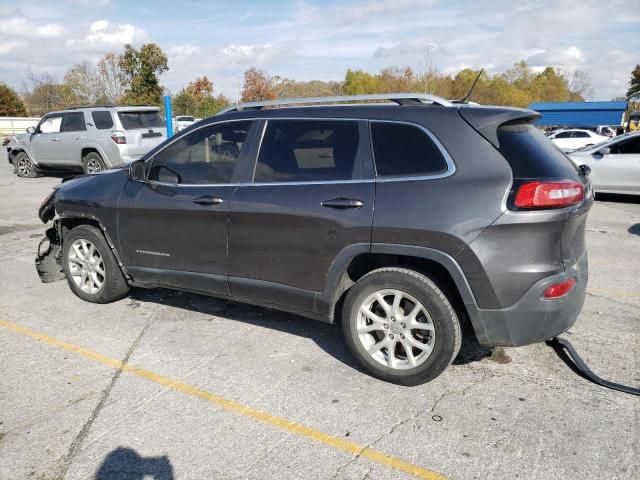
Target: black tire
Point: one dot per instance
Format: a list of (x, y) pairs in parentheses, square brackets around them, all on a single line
[(23, 166), (92, 163), (114, 285), (447, 333)]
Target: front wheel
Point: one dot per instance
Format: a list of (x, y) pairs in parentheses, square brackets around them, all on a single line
[(24, 167), (90, 267), (400, 326)]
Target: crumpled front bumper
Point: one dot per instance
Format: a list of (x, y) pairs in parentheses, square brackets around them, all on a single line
[(49, 257)]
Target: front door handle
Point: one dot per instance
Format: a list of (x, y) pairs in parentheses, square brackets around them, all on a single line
[(208, 200), (342, 203)]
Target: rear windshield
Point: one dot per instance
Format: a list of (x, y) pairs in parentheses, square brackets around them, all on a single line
[(141, 119), (531, 154)]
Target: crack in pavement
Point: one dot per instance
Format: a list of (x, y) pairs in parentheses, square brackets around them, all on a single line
[(463, 392), (84, 431), (618, 302)]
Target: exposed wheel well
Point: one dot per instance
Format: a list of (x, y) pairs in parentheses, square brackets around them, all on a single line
[(88, 150), (367, 262)]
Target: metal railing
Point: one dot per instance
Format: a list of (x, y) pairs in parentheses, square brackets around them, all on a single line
[(13, 125), (399, 98)]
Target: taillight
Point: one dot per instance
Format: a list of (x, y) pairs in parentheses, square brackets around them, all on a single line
[(558, 290), (549, 194), (119, 138)]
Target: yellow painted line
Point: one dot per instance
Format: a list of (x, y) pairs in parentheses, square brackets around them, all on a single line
[(613, 293), (262, 417)]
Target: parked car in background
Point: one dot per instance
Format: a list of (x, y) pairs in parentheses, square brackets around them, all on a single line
[(605, 131), (571, 139), (89, 139), (182, 122), (477, 216), (615, 164)]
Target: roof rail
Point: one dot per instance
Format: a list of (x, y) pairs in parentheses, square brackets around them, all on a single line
[(399, 98)]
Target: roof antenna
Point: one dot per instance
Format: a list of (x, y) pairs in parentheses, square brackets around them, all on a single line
[(468, 96)]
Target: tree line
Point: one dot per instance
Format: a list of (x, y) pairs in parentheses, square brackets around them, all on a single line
[(132, 77)]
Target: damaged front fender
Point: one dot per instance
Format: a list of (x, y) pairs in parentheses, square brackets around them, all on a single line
[(49, 259)]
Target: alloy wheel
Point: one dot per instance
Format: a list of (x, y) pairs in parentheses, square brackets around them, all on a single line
[(25, 168), (86, 266), (395, 329), (93, 166)]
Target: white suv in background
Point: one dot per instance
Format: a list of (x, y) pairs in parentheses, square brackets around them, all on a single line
[(572, 139), (91, 139)]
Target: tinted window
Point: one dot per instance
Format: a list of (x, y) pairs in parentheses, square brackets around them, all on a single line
[(307, 151), (627, 147), (400, 149), (50, 125), (208, 155), (563, 135), (102, 119), (531, 154), (580, 135), (185, 119), (73, 122), (141, 119)]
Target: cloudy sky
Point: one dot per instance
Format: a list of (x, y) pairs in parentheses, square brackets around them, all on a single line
[(305, 39)]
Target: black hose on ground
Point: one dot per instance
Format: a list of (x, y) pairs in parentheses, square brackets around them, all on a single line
[(568, 354)]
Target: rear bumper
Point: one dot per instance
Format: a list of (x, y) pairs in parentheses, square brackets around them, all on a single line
[(532, 319)]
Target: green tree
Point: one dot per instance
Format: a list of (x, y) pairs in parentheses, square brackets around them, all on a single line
[(197, 99), (139, 74), (10, 103), (633, 94), (358, 82)]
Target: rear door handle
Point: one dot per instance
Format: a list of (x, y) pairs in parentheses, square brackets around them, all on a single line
[(208, 200), (342, 203)]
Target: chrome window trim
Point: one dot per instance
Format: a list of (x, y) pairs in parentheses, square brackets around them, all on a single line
[(451, 168)]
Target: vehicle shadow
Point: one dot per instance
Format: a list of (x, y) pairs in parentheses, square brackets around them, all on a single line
[(617, 198), (126, 464), (327, 336), (634, 229)]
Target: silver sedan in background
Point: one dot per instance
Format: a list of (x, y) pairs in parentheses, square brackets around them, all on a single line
[(615, 164)]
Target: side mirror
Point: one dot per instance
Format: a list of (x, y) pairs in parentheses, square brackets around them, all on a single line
[(604, 151), (31, 129), (136, 171)]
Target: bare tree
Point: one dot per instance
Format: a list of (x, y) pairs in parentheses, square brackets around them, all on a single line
[(42, 93), (110, 74)]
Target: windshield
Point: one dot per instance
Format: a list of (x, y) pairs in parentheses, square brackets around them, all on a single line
[(141, 119), (610, 141)]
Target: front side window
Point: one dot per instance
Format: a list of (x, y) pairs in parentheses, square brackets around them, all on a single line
[(73, 122), (401, 149), (138, 119), (50, 125), (627, 147), (102, 119), (308, 151), (208, 155)]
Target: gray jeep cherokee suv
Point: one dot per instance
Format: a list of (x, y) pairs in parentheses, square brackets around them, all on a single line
[(399, 220), (92, 139)]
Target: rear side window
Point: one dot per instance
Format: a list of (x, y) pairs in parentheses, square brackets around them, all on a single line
[(73, 122), (307, 151), (580, 135), (531, 154), (401, 149), (141, 119), (102, 119)]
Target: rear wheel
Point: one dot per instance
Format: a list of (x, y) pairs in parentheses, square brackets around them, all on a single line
[(92, 163), (23, 165), (400, 326), (92, 271)]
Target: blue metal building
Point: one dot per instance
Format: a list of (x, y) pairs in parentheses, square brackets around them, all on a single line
[(580, 114)]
